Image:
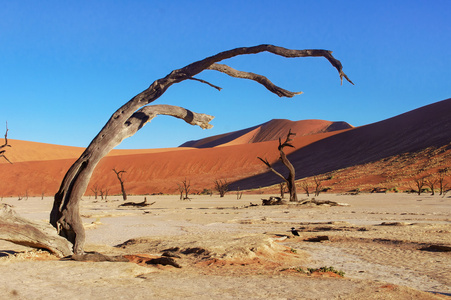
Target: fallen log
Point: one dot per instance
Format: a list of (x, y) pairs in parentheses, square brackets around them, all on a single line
[(138, 204), (273, 201), (21, 231)]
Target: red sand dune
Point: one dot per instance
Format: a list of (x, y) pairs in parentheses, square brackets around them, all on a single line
[(268, 131), (428, 126), (39, 168)]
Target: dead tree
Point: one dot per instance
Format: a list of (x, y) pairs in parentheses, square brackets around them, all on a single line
[(222, 186), (2, 152), (318, 185), (184, 188), (95, 190), (239, 194), (103, 194), (134, 114), (431, 182), (282, 189), (420, 182), (306, 187), (442, 174), (119, 175), (290, 179)]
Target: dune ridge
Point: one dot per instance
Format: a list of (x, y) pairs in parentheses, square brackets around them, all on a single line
[(268, 131)]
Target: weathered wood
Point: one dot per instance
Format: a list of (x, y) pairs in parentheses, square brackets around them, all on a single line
[(273, 201), (18, 230), (134, 114)]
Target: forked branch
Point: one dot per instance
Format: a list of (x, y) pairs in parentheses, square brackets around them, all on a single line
[(2, 152), (287, 141)]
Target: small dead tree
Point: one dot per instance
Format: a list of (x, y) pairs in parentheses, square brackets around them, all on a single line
[(290, 179), (222, 186), (306, 187), (431, 182), (133, 115), (119, 175), (239, 194), (2, 152), (318, 185), (95, 190), (442, 174), (184, 188), (282, 190), (104, 194), (420, 182)]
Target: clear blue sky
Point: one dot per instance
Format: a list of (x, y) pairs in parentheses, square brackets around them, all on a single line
[(66, 66)]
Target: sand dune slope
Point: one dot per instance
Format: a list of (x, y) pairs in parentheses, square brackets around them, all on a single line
[(428, 126)]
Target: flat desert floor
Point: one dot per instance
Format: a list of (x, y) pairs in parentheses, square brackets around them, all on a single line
[(390, 246)]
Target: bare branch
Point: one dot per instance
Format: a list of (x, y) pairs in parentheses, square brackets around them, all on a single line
[(2, 152), (287, 141), (206, 82), (272, 169), (256, 77), (147, 113)]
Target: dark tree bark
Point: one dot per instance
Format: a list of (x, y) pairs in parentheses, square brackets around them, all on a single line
[(119, 175), (134, 114), (2, 152), (290, 179)]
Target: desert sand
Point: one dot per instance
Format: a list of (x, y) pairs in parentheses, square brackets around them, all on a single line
[(390, 246)]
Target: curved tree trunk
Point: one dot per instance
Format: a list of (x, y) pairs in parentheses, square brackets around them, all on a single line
[(290, 180), (133, 115), (65, 215)]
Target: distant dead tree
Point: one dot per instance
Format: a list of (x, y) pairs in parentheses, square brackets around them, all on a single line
[(282, 190), (222, 186), (184, 188), (95, 190), (119, 175), (133, 115), (420, 182), (239, 194), (104, 194), (431, 182), (442, 174), (290, 179), (306, 187), (2, 152), (318, 185)]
